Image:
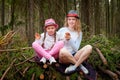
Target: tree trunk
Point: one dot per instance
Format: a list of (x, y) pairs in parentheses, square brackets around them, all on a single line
[(41, 17), (85, 16), (85, 11), (114, 19), (2, 17), (107, 17), (12, 14), (30, 23), (97, 17)]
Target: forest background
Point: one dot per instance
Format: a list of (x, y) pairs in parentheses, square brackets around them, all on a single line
[(100, 25)]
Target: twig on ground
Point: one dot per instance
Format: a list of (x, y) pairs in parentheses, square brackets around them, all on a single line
[(25, 70), (24, 61)]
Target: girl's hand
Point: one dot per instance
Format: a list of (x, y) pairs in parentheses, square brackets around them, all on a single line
[(37, 36), (67, 36)]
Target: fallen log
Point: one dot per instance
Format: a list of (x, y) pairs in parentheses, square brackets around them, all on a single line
[(67, 77), (79, 78), (101, 56), (42, 76), (118, 72), (118, 66), (7, 69), (113, 75), (45, 66), (54, 77)]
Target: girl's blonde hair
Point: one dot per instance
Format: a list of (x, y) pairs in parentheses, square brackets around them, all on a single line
[(77, 25)]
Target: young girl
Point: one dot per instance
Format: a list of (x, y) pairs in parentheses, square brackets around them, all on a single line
[(72, 35), (48, 44)]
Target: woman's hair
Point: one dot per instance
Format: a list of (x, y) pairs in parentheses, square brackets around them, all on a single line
[(77, 25)]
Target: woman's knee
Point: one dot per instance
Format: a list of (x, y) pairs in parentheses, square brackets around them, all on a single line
[(61, 44), (63, 52), (89, 47)]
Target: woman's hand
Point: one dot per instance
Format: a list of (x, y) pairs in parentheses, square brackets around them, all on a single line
[(37, 36), (67, 36)]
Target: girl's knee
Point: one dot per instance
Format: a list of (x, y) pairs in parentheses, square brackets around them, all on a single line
[(34, 44), (61, 43)]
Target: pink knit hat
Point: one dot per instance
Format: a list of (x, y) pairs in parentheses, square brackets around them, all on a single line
[(50, 22)]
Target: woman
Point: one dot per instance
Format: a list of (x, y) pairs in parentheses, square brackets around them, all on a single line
[(72, 35)]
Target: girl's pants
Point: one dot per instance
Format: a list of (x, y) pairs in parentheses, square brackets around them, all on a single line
[(54, 52)]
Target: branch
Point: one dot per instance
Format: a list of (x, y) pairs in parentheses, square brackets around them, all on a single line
[(25, 70), (26, 58), (33, 76), (102, 57), (118, 66), (10, 50), (118, 72), (114, 76), (7, 38), (7, 69), (24, 61)]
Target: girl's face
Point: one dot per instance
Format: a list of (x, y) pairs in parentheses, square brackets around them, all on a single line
[(71, 22), (50, 30)]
